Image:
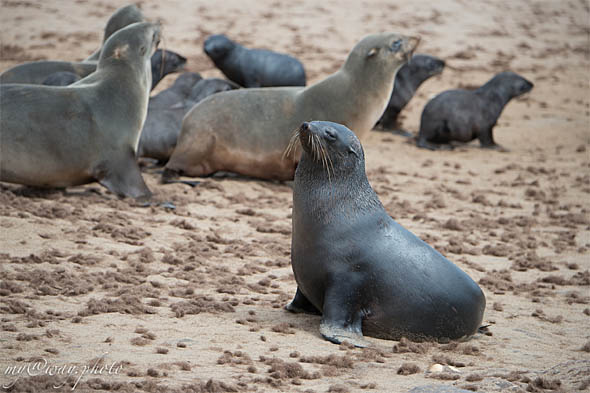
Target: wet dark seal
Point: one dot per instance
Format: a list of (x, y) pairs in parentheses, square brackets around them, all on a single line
[(246, 131), (464, 115), (407, 80), (353, 263), (163, 123), (65, 136), (253, 67)]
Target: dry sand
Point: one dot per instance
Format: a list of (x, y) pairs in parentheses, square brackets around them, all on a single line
[(192, 299)]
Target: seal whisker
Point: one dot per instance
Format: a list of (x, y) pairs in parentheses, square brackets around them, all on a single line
[(293, 145)]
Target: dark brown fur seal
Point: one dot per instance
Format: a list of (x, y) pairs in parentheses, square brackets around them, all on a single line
[(253, 67), (407, 80), (66, 136), (246, 131), (354, 264), (463, 115)]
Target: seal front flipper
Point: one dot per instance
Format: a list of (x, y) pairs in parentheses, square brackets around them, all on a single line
[(122, 176), (300, 304), (342, 320)]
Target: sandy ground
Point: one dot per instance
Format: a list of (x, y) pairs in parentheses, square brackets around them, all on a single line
[(192, 299)]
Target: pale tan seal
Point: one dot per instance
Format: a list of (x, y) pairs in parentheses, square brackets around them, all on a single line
[(246, 131), (88, 131), (121, 18)]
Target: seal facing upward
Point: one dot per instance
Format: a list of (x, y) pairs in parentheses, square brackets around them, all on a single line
[(353, 263), (246, 131), (65, 136)]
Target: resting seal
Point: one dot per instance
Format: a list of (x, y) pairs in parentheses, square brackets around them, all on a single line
[(178, 92), (246, 131), (407, 80), (253, 67), (59, 73), (358, 267), (66, 136), (463, 115), (121, 18), (162, 125)]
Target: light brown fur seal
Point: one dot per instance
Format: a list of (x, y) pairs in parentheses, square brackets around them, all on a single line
[(88, 131), (246, 131)]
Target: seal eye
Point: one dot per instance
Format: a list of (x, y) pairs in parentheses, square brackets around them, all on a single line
[(330, 134), (396, 46)]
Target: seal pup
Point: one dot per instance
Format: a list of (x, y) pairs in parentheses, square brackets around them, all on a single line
[(463, 115), (353, 263), (165, 62), (407, 80), (253, 67), (58, 73), (65, 136), (245, 131), (178, 92), (163, 123), (121, 18)]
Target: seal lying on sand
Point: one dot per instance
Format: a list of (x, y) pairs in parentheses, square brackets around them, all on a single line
[(253, 67), (63, 73), (121, 18), (246, 131), (358, 267), (162, 125), (66, 136), (178, 92), (463, 115), (407, 80)]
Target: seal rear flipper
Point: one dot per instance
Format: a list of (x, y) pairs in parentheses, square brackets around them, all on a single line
[(300, 304), (341, 320), (122, 176)]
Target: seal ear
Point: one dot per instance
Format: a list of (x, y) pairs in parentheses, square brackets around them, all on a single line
[(142, 50), (372, 52), (352, 151)]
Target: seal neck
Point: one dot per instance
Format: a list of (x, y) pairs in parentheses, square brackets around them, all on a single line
[(321, 193), (496, 94)]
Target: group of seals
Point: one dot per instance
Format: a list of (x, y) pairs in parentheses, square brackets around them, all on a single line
[(407, 80), (166, 110), (246, 131), (359, 268), (463, 115), (253, 67), (65, 136)]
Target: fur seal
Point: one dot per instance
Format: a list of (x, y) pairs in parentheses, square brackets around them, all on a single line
[(57, 73), (178, 92), (253, 67), (463, 115), (163, 123), (121, 18), (353, 263), (407, 80), (61, 78), (245, 131), (64, 136), (165, 62)]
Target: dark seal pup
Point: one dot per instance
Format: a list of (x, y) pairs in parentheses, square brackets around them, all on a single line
[(407, 80), (61, 78), (358, 267), (165, 62), (66, 136), (163, 123), (253, 67), (463, 115)]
